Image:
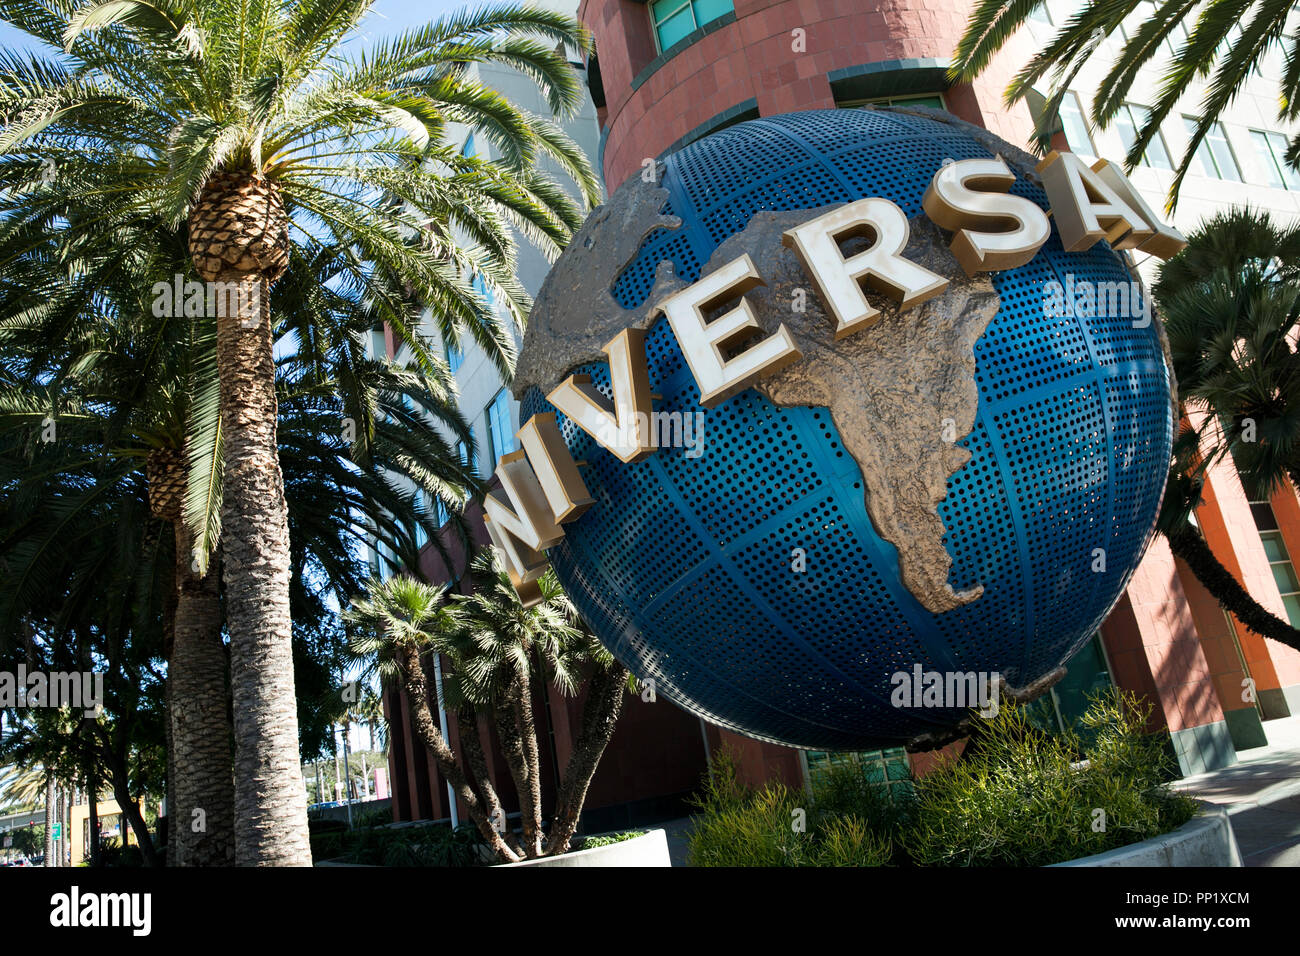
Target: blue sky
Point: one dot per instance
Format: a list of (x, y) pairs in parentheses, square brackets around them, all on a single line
[(385, 18)]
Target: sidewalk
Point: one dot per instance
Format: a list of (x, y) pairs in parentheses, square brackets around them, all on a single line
[(1262, 796)]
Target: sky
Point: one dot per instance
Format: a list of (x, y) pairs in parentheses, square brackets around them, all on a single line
[(386, 17)]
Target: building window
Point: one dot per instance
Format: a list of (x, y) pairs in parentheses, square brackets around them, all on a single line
[(1272, 154), (1131, 118), (932, 100), (500, 435), (1213, 156), (1279, 559), (1075, 125), (421, 535), (463, 453), (1040, 14), (468, 148), (479, 284), (455, 357), (674, 20), (890, 767)]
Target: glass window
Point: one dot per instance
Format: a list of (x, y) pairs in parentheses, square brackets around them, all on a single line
[(1131, 118), (932, 100), (674, 20), (1041, 14), (1279, 559), (1271, 148), (469, 148), (500, 434), (480, 286), (1076, 126), (455, 357), (464, 455), (421, 535), (1214, 157)]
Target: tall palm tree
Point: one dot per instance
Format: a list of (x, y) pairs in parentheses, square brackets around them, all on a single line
[(246, 125), (328, 494), (1231, 306), (1225, 40)]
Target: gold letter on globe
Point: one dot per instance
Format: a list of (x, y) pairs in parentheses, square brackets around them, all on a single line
[(1087, 208), (839, 280), (973, 194), (623, 425), (702, 342)]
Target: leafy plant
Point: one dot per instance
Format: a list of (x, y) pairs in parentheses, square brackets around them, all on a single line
[(1018, 797), (607, 839)]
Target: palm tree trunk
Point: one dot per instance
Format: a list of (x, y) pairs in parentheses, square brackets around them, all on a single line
[(524, 715), (510, 730), (471, 746), (417, 693), (605, 695), (202, 818), (1187, 544), (51, 795), (270, 803)]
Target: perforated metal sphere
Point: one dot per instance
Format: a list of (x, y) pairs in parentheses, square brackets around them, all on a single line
[(683, 565)]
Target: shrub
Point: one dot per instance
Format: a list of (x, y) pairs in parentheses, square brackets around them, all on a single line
[(738, 826), (1018, 796), (590, 843), (1022, 797)]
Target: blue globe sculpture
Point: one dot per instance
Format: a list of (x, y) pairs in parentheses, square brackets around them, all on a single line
[(683, 566)]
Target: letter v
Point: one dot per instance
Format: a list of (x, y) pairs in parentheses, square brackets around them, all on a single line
[(622, 426)]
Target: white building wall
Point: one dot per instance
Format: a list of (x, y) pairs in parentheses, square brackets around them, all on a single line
[(1201, 196)]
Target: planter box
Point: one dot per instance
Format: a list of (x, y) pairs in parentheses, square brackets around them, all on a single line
[(649, 849), (1206, 840)]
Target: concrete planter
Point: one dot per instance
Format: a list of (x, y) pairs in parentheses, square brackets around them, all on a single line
[(1206, 840), (649, 849)]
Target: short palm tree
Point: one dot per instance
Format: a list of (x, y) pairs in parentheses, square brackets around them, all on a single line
[(501, 656), (1224, 40), (247, 126), (398, 621), (1231, 306)]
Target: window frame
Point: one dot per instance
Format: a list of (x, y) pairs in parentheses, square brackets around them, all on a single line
[(499, 404), (1083, 118), (655, 23), (1189, 125), (1275, 160), (1129, 110)]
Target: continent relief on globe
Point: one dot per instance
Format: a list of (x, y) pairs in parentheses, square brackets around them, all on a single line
[(902, 392)]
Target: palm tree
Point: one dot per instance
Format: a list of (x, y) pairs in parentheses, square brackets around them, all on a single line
[(501, 655), (1231, 306), (327, 491), (1220, 39), (400, 620), (247, 127)]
